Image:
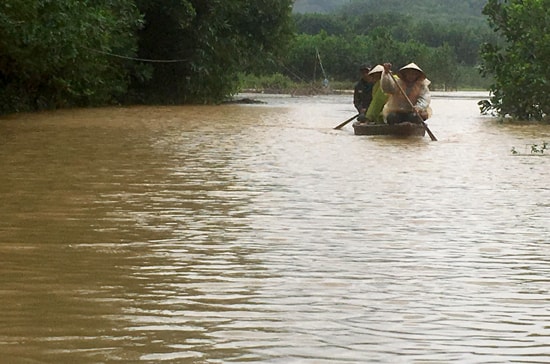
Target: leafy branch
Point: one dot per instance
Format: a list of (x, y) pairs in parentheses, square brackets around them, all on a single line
[(535, 149)]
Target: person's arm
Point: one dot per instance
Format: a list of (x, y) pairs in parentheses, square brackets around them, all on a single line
[(424, 98)]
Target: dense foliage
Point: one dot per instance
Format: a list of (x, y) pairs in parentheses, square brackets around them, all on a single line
[(317, 6), (522, 65), (429, 32), (342, 56), (215, 40), (60, 53), (442, 9), (51, 52)]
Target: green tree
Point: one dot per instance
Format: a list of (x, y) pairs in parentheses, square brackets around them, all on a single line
[(442, 66), (388, 31), (521, 66), (315, 23), (341, 57), (213, 40), (54, 53)]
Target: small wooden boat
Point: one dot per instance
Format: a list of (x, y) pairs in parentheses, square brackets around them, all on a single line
[(402, 129)]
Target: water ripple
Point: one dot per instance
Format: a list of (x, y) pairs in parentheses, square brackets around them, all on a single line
[(255, 234)]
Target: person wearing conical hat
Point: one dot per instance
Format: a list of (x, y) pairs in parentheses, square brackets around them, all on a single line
[(413, 83), (379, 97)]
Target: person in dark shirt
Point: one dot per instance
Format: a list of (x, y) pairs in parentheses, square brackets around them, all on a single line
[(362, 93)]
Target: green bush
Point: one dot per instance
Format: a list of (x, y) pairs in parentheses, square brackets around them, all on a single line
[(520, 66)]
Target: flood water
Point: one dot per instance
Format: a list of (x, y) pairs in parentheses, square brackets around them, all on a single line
[(258, 234)]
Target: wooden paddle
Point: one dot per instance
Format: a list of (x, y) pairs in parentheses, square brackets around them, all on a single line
[(432, 137), (345, 122)]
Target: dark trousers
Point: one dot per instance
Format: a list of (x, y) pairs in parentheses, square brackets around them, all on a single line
[(402, 117)]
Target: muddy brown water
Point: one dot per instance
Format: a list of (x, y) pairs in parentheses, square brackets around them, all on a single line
[(257, 233)]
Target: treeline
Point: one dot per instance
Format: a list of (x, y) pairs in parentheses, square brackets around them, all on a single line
[(451, 9), (317, 6), (366, 31), (444, 10), (63, 53)]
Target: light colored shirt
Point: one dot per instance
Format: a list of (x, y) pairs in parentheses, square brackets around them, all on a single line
[(418, 93)]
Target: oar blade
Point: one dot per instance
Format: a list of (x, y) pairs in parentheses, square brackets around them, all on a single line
[(345, 122)]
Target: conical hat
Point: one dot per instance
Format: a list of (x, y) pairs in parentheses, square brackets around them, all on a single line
[(413, 66), (377, 68)]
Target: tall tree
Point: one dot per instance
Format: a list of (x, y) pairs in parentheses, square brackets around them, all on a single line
[(521, 65), (55, 53), (209, 42)]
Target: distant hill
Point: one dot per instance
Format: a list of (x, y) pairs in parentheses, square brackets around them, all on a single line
[(434, 9)]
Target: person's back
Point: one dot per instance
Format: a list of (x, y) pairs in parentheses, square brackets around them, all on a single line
[(362, 93)]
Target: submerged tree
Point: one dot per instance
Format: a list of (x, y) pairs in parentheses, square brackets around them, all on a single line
[(521, 65), (55, 53), (209, 42), (59, 53)]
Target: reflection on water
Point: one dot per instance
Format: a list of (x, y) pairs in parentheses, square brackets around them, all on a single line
[(257, 233)]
